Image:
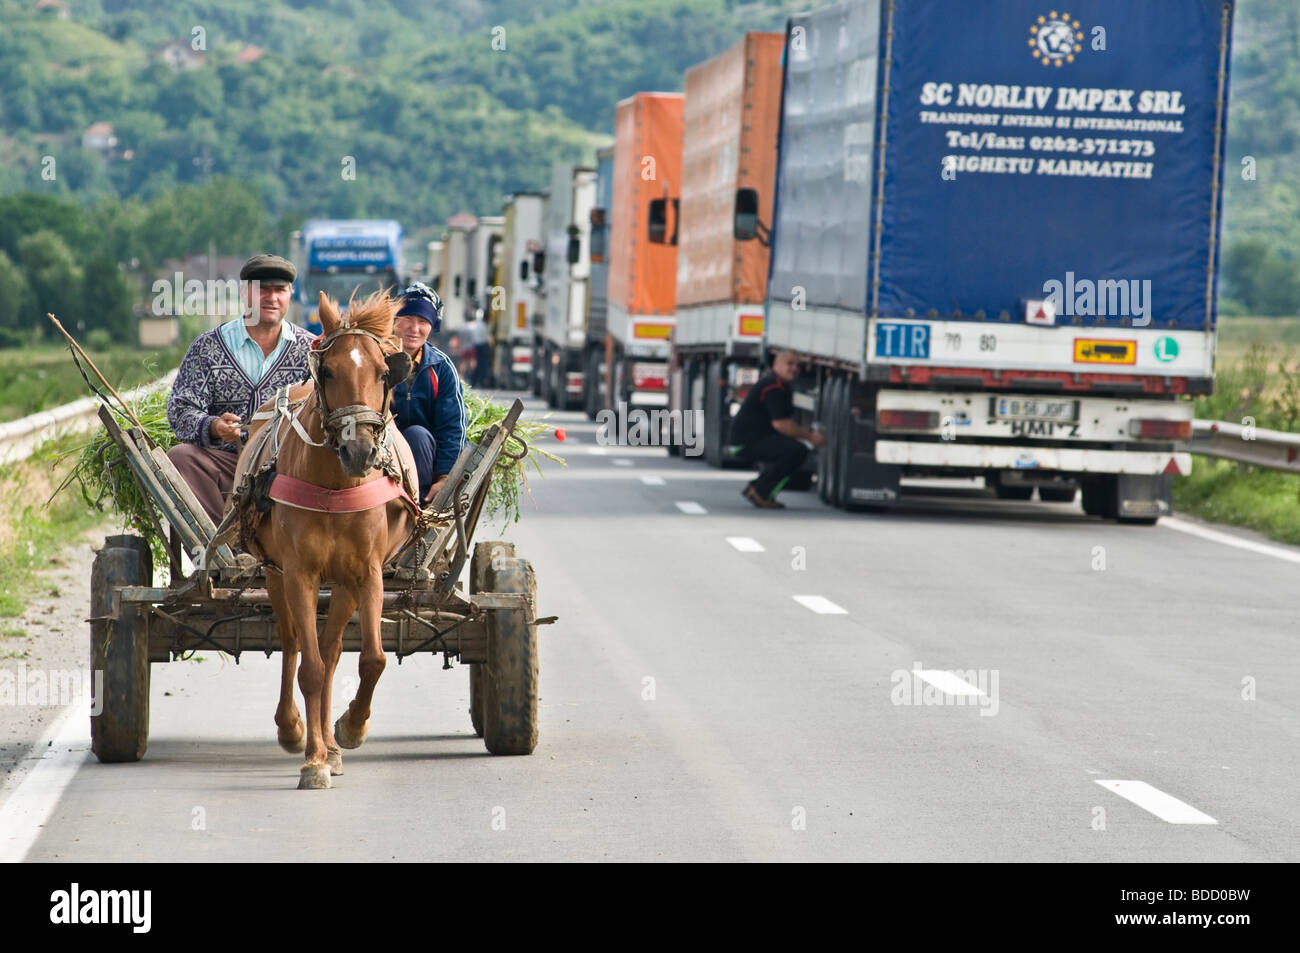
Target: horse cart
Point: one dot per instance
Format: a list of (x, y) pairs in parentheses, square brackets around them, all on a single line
[(223, 604)]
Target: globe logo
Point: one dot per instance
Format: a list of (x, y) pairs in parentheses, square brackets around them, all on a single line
[(1055, 39)]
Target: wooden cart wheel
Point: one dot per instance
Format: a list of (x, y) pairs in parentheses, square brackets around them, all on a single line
[(509, 677), (479, 581), (120, 649)]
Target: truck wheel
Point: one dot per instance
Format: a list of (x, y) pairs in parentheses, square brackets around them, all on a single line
[(823, 419), (713, 441), (834, 436), (589, 386), (1100, 496), (479, 581), (1056, 494), (509, 678), (120, 649), (844, 447), (1014, 492), (694, 400)]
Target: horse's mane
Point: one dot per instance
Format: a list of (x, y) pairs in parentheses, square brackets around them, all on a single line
[(374, 313)]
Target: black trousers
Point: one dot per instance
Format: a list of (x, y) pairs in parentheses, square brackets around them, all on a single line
[(780, 456)]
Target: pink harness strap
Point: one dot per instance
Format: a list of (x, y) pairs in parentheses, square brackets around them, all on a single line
[(308, 496)]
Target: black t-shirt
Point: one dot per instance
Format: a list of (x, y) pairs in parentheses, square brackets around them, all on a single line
[(768, 400)]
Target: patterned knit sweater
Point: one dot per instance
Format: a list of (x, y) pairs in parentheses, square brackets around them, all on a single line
[(210, 382)]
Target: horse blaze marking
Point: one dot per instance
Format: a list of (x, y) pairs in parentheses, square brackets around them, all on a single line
[(356, 356)]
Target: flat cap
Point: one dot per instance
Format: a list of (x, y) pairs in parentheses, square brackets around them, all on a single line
[(268, 268)]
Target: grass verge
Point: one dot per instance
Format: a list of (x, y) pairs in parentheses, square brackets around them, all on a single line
[(1220, 491), (32, 533)]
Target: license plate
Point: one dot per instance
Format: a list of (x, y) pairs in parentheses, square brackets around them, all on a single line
[(1035, 408)]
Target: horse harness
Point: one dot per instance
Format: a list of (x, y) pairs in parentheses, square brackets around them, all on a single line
[(263, 487)]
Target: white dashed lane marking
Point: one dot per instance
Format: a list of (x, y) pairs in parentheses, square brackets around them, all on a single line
[(1227, 539), (947, 682), (746, 545), (821, 605), (1162, 805), (691, 509), (621, 462), (650, 479)]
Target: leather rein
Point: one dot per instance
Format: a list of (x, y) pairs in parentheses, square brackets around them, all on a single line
[(309, 496)]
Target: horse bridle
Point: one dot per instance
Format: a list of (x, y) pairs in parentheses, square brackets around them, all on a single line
[(333, 421)]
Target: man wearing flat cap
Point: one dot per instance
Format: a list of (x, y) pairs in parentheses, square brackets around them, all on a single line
[(230, 371)]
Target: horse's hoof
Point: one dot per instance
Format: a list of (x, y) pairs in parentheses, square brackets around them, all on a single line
[(344, 736), (334, 758), (314, 777), (293, 745)]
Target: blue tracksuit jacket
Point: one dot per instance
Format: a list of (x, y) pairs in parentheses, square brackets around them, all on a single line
[(432, 399)]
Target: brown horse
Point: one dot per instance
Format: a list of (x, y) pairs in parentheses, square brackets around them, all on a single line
[(316, 538)]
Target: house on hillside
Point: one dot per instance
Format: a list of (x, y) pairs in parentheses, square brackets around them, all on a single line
[(192, 285), (52, 8), (178, 56), (99, 137), (249, 54)]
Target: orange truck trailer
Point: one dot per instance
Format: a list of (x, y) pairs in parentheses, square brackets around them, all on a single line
[(731, 116), (643, 249)]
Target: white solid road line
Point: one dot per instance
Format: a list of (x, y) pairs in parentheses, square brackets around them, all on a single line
[(821, 605), (1194, 529), (745, 544), (947, 682), (649, 479), (62, 750), (1162, 805), (693, 509)]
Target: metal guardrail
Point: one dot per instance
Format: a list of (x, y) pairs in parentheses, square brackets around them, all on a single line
[(20, 438), (1271, 449)]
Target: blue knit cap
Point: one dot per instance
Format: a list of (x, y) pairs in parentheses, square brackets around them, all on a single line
[(421, 301)]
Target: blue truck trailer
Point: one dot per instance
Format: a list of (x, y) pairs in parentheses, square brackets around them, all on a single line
[(995, 242), (343, 257)]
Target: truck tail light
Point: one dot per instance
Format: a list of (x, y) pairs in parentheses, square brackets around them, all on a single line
[(907, 419), (1146, 429), (649, 376)]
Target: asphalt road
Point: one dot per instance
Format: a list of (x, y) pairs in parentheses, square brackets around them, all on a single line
[(703, 699)]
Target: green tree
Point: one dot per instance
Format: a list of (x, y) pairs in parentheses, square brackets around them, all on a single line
[(107, 299), (54, 276), (15, 296)]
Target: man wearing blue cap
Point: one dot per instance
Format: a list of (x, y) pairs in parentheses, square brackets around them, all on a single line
[(427, 406)]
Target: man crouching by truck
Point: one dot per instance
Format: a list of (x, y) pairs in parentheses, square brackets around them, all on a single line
[(765, 432)]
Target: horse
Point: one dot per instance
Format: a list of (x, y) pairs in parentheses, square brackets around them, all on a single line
[(325, 515)]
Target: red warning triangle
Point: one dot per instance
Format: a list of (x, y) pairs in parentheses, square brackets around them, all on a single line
[(1172, 467), (1041, 313)]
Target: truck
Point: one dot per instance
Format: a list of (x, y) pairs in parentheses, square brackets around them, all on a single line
[(995, 243), (642, 287), (483, 249), (433, 265), (559, 344), (343, 257), (730, 117), (593, 362), (519, 276), (454, 273)]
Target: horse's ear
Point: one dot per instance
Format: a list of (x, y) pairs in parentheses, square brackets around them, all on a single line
[(328, 312), (399, 368)]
